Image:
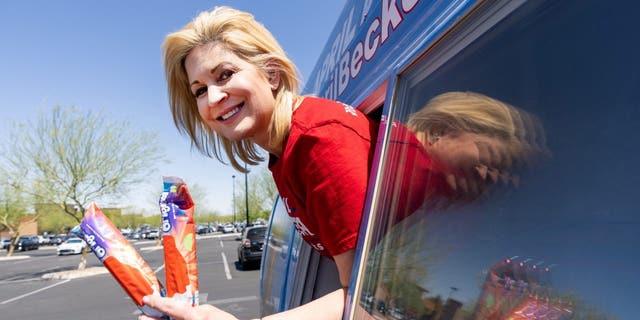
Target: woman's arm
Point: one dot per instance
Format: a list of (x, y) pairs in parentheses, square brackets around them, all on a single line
[(329, 306)]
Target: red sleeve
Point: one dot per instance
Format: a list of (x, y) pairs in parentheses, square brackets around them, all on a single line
[(336, 172)]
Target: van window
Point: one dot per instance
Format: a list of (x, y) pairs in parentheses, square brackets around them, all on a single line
[(523, 200)]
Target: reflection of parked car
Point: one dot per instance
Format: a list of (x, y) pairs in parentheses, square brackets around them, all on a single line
[(396, 313), (252, 242), (26, 243), (380, 306), (5, 242), (71, 246), (366, 300)]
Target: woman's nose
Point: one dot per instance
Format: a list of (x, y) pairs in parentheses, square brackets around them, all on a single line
[(215, 95)]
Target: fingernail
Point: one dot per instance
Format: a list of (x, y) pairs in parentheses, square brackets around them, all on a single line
[(145, 299), (482, 171)]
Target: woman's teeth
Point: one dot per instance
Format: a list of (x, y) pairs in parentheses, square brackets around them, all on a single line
[(230, 113)]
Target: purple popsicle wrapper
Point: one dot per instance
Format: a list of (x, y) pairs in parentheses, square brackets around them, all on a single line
[(121, 259)]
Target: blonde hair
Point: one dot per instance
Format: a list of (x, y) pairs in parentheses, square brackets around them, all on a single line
[(455, 112), (240, 33)]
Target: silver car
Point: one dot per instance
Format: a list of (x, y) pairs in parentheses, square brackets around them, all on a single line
[(5, 242)]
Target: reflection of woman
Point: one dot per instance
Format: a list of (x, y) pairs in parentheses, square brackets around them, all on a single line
[(476, 141), (450, 152)]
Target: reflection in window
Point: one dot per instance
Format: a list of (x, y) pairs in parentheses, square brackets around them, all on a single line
[(277, 244), (529, 216)]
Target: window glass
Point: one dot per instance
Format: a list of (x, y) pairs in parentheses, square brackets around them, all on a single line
[(510, 183), (276, 259), (256, 232)]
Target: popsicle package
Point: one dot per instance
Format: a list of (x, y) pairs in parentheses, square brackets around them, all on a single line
[(119, 257), (179, 241)]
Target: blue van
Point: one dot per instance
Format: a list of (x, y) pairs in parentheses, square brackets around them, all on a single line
[(548, 229)]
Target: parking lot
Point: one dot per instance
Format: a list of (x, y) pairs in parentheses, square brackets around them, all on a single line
[(25, 294)]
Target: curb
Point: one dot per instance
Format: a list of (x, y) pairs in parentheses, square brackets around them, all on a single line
[(14, 258), (74, 274)]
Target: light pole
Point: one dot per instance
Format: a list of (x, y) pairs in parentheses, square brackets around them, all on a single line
[(233, 200), (246, 193)]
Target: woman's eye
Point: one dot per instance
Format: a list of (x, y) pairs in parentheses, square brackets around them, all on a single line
[(226, 74), (200, 91)]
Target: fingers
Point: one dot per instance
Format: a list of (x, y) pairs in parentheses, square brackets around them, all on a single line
[(494, 154), (179, 310), (145, 317), (482, 171), (170, 307)]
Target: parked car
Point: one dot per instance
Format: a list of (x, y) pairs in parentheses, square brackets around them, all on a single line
[(153, 234), (5, 242), (202, 230), (71, 246), (228, 228), (58, 239), (43, 240), (251, 245), (26, 243), (134, 236)]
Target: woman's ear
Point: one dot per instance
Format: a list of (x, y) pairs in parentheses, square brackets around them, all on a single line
[(274, 79), (273, 74)]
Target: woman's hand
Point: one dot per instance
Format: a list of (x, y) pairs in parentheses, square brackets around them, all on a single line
[(182, 311), (472, 162)]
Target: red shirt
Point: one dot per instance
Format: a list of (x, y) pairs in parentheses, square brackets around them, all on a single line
[(323, 173), (410, 181)]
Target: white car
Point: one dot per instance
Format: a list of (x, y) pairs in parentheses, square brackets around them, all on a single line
[(228, 228), (71, 246)]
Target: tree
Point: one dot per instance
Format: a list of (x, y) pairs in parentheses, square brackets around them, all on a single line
[(52, 219), (71, 158), (13, 211), (262, 193)]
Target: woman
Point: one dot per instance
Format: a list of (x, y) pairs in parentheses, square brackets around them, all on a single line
[(232, 88)]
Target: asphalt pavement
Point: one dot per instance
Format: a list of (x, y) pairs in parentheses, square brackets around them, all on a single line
[(27, 290)]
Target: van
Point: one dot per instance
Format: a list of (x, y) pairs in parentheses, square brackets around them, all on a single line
[(542, 227)]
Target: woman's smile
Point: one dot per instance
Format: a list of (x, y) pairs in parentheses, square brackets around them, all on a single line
[(231, 113)]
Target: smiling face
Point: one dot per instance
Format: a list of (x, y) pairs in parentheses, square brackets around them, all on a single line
[(234, 98)]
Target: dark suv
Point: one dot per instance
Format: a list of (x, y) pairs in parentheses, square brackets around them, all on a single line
[(26, 243), (251, 244)]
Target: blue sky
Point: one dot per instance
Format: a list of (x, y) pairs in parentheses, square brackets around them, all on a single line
[(105, 55)]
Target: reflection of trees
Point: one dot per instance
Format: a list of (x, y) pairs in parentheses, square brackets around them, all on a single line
[(398, 264), (521, 289), (583, 310)]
